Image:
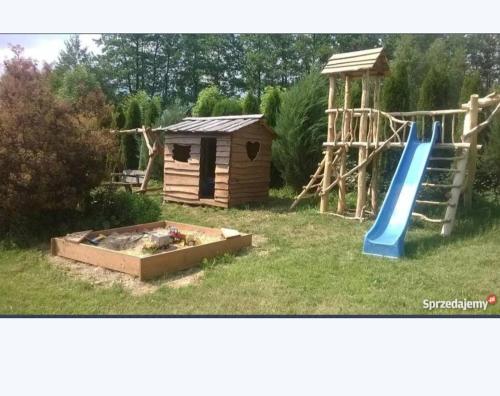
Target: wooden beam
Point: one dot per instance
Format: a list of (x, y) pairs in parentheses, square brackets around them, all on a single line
[(470, 121), (363, 151), (451, 146), (153, 151), (345, 130), (376, 158), (327, 176), (472, 160)]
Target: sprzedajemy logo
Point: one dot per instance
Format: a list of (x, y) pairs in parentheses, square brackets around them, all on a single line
[(463, 304)]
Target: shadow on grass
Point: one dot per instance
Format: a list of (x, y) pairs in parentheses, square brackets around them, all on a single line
[(470, 222)]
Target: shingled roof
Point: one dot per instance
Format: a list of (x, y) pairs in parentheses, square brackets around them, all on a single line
[(224, 124), (355, 63)]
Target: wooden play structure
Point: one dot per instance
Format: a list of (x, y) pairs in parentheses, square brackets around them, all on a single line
[(371, 131), (218, 161), (136, 178), (127, 179)]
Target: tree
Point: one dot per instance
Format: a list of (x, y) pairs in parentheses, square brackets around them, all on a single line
[(129, 142), (77, 83), (73, 55), (400, 88), (58, 162), (483, 55), (227, 106), (258, 61), (471, 85), (207, 99), (81, 89), (301, 127), (313, 51), (119, 119), (250, 104), (152, 111), (488, 172), (440, 88), (270, 105), (172, 114)]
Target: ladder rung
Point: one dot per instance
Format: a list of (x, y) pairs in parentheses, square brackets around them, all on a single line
[(446, 158), (440, 185), (443, 169), (430, 220), (436, 203)]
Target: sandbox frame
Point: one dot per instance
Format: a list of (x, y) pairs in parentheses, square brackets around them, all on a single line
[(155, 265)]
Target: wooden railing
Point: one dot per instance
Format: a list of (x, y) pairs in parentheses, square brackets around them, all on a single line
[(382, 124)]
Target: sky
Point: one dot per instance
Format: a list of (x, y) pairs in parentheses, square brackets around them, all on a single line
[(42, 47)]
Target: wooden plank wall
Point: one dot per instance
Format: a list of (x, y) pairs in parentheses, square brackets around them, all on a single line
[(249, 180), (182, 179), (221, 195)]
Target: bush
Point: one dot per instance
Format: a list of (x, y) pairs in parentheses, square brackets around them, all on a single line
[(101, 209), (108, 209), (47, 161), (227, 106), (301, 127), (207, 99)]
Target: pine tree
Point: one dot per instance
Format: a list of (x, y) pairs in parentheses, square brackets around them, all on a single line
[(470, 85), (301, 125), (400, 88), (129, 141), (270, 104), (250, 104), (119, 118)]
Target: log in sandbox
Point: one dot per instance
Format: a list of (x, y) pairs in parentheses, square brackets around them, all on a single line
[(132, 250)]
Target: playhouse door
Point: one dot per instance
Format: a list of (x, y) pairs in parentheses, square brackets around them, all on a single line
[(207, 167)]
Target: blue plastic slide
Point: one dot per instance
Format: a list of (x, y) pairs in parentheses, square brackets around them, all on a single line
[(386, 236)]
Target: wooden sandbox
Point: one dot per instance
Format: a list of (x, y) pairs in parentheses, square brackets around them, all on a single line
[(155, 264)]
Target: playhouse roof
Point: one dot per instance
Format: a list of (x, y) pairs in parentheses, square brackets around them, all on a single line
[(356, 63), (223, 124)]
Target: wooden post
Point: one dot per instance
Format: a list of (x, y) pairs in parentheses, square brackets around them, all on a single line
[(363, 151), (152, 149), (472, 160), (470, 121), (327, 173), (346, 121), (376, 160)]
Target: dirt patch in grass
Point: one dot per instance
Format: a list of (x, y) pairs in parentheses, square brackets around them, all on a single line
[(261, 245), (258, 240), (103, 277)]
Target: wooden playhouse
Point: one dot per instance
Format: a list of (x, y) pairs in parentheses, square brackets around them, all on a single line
[(218, 161)]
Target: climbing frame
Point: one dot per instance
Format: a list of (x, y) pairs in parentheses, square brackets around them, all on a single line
[(372, 131)]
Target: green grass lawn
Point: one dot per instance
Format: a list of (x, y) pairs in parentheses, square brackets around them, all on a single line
[(304, 263)]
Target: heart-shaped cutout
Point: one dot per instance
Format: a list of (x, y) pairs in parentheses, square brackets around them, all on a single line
[(252, 150)]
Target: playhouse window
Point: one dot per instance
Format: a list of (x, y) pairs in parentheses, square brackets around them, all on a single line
[(252, 150), (182, 152)]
